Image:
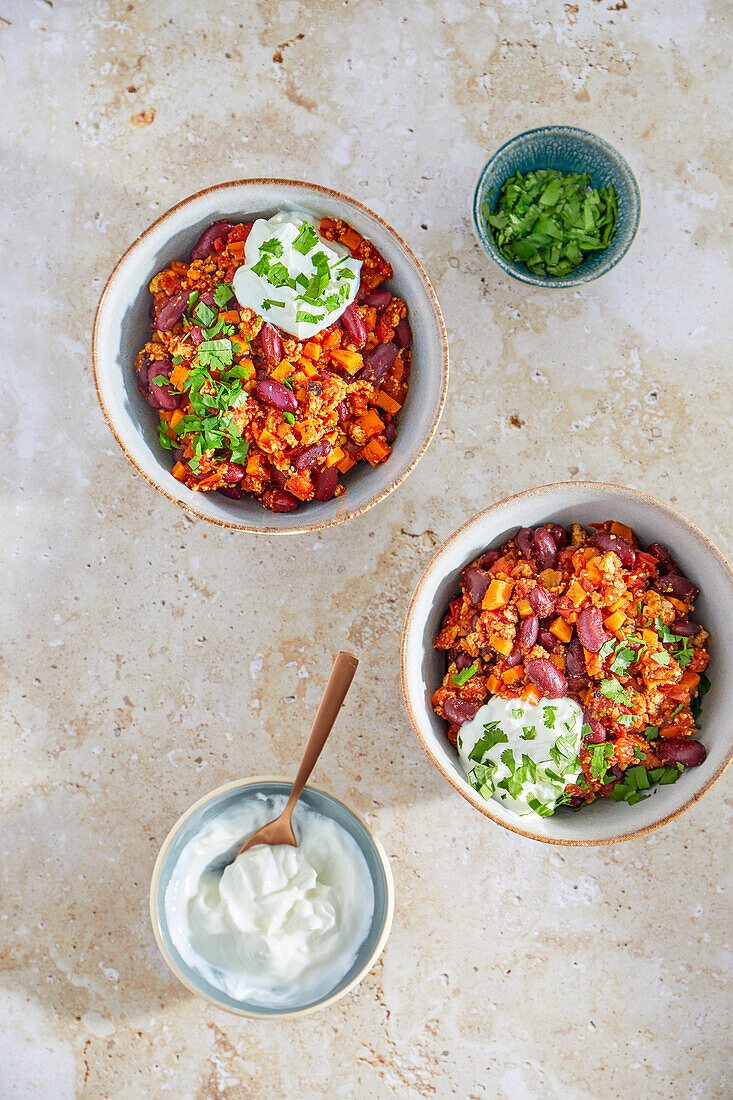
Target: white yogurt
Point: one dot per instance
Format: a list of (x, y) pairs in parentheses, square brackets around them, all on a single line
[(294, 278), (282, 925), (523, 754)]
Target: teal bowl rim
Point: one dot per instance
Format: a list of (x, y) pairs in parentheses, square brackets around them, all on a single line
[(523, 274), (252, 1013)]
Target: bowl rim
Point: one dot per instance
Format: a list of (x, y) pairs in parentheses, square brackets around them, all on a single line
[(462, 786), (305, 527), (290, 1013), (565, 282)]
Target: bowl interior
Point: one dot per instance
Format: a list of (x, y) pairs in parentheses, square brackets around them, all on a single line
[(190, 825), (123, 325), (423, 669), (566, 149)]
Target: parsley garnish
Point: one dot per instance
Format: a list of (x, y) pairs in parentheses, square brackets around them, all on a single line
[(215, 353), (529, 733), (311, 318), (273, 246), (465, 674), (600, 760), (223, 293), (306, 240), (493, 735)]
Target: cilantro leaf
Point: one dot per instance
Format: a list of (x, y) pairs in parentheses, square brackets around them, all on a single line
[(465, 674), (306, 240), (273, 246), (222, 293)]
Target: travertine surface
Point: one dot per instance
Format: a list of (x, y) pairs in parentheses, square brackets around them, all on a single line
[(140, 664)]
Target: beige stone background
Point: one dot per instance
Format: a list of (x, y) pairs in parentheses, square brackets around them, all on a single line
[(141, 665)]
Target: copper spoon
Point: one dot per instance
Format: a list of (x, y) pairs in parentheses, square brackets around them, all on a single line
[(280, 831)]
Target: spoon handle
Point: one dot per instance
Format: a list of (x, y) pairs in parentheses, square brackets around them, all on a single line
[(334, 694)]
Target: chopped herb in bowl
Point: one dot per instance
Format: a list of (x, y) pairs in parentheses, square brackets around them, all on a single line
[(550, 220)]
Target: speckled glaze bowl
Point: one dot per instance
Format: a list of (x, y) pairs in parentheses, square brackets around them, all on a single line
[(423, 667), (215, 803), (122, 325), (567, 149)]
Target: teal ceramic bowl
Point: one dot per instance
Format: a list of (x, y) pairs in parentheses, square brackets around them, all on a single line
[(568, 149), (211, 805)]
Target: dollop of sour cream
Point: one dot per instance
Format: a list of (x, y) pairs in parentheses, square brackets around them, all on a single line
[(282, 925), (294, 278), (523, 754)]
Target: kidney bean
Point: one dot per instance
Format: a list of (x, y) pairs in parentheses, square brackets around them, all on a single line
[(209, 300), (575, 658), (559, 535), (685, 629), (271, 344), (541, 601), (673, 584), (354, 325), (514, 658), (527, 633), (171, 312), (179, 455), (523, 539), (615, 772), (576, 801), (233, 472), (547, 677), (377, 362), (403, 334), (680, 750), (489, 558), (664, 557), (325, 482), (590, 629), (142, 374), (232, 491), (351, 448), (459, 711), (390, 432), (475, 582), (545, 549), (283, 502), (278, 477), (342, 412), (205, 244), (378, 298), (197, 335), (165, 396), (310, 456), (576, 685), (272, 393), (547, 640), (605, 541), (463, 661), (597, 733)]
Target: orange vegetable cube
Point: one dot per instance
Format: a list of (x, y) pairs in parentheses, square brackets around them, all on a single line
[(493, 683), (501, 645), (622, 531), (576, 593), (370, 423), (346, 463), (231, 317), (561, 629), (312, 350), (513, 674), (649, 636), (593, 571), (497, 595), (388, 403), (351, 361), (524, 607), (179, 471), (176, 418), (376, 451), (531, 694), (334, 457), (614, 622)]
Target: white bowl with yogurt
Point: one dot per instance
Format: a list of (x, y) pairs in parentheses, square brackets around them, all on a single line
[(282, 931)]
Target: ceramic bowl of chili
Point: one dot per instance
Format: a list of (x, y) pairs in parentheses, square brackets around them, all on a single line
[(122, 327), (604, 821), (565, 149)]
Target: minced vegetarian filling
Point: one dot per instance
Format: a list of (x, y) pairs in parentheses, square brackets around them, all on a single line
[(590, 617), (247, 409)]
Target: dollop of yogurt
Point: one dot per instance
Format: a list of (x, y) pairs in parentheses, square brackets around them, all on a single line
[(282, 925), (523, 754), (293, 277)]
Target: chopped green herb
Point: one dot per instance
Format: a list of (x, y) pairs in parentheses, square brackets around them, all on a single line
[(169, 444), (625, 656), (493, 735), (192, 299), (289, 417), (215, 354), (459, 678), (600, 760), (270, 302), (273, 246), (661, 657), (223, 293), (262, 267), (548, 716), (529, 733), (306, 240), (551, 221), (204, 314), (177, 360), (311, 318), (696, 704)]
